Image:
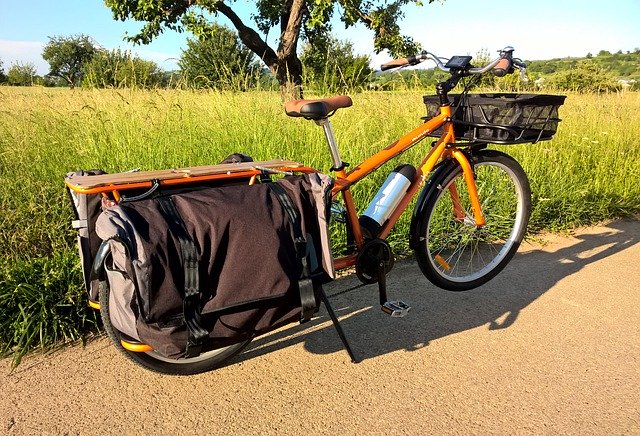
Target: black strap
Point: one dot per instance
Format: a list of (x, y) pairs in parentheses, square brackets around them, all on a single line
[(191, 304), (305, 284), (155, 184)]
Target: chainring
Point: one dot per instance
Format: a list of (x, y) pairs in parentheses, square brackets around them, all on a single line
[(368, 261)]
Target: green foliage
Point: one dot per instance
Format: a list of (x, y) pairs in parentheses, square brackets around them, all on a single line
[(586, 76), (384, 23), (291, 19), (120, 69), (483, 57), (67, 55), (513, 83), (3, 77), (408, 79), (380, 16), (621, 65), (41, 304), (331, 66), (217, 59), (21, 74)]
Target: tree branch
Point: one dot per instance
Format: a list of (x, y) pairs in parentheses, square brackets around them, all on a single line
[(365, 18), (248, 36)]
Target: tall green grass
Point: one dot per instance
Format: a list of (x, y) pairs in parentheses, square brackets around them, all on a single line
[(588, 173)]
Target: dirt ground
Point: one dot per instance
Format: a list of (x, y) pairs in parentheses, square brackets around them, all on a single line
[(551, 346)]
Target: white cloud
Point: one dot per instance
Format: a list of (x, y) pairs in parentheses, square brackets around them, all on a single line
[(23, 52)]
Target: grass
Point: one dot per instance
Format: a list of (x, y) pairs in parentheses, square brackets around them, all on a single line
[(588, 173)]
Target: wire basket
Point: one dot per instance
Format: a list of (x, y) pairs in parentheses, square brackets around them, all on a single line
[(500, 118)]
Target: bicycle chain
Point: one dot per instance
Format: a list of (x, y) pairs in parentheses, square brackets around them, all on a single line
[(347, 290)]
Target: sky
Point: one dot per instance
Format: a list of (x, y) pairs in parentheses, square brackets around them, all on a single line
[(537, 29)]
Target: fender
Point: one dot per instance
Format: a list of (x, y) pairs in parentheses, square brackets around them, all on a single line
[(97, 269)]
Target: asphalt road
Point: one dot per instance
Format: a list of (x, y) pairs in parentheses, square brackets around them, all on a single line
[(551, 346)]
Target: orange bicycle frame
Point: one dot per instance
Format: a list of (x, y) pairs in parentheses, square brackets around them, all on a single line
[(443, 148)]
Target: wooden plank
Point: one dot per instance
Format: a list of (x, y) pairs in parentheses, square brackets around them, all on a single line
[(89, 182)]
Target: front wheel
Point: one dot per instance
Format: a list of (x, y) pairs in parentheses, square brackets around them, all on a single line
[(454, 253), (153, 361)]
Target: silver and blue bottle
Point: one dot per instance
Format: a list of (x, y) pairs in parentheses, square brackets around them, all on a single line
[(387, 199)]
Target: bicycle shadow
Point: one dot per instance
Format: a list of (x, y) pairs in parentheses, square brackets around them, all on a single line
[(437, 313)]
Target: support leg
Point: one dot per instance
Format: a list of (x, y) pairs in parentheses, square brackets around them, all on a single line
[(336, 324)]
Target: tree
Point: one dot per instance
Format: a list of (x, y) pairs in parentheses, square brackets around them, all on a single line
[(3, 78), (21, 74), (67, 55), (120, 69), (291, 19), (217, 59), (332, 64)]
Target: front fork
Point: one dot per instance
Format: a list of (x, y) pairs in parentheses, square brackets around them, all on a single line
[(470, 180)]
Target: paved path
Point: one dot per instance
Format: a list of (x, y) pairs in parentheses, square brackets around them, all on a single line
[(551, 346)]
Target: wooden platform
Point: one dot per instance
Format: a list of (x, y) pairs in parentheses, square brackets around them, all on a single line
[(136, 179)]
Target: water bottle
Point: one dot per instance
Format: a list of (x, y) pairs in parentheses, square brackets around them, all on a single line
[(387, 199)]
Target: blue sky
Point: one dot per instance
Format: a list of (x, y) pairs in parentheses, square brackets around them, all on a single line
[(538, 29)]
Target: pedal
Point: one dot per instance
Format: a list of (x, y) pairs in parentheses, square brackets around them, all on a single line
[(397, 309)]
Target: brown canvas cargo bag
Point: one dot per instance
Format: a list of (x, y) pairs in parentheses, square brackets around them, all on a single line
[(201, 270)]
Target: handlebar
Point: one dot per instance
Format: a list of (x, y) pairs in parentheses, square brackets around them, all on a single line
[(501, 66)]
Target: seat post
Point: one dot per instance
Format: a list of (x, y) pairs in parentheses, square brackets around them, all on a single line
[(333, 145)]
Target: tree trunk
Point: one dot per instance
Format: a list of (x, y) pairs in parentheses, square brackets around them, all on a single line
[(289, 68), (284, 64), (288, 72), (70, 81)]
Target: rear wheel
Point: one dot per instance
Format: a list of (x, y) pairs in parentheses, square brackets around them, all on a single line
[(454, 253), (153, 361)]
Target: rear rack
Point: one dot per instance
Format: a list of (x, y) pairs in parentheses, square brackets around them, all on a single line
[(104, 183)]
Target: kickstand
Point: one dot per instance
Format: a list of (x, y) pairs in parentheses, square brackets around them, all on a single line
[(382, 283), (336, 324)]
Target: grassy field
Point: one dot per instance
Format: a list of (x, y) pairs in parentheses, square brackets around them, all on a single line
[(588, 173)]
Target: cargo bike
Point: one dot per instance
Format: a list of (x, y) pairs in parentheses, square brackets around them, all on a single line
[(471, 213)]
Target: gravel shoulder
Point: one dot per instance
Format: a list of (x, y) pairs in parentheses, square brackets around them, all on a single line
[(552, 345)]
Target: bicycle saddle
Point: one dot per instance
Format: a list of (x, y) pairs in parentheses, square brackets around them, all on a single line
[(317, 109)]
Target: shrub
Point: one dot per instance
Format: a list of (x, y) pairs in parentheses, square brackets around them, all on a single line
[(217, 59), (120, 69), (21, 74), (331, 66), (585, 76)]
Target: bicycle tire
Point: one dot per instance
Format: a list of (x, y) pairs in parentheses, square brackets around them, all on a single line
[(153, 361), (453, 253)]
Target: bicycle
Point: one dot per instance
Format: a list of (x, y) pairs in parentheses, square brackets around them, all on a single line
[(469, 218)]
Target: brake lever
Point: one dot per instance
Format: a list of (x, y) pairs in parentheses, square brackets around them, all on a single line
[(522, 67)]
